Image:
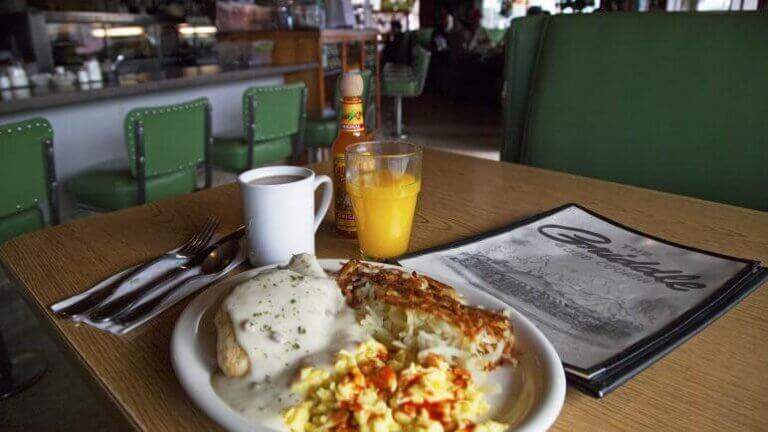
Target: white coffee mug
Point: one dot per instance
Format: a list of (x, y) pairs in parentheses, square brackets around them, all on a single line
[(280, 218)]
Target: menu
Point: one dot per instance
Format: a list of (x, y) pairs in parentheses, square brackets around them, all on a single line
[(611, 300)]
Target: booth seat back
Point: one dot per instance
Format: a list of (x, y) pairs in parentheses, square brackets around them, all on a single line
[(669, 101)]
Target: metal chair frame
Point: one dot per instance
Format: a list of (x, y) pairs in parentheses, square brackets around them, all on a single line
[(52, 182), (398, 100)]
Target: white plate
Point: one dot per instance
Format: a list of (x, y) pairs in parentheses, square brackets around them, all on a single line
[(532, 393)]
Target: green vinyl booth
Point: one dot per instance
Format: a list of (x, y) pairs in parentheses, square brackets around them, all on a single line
[(670, 101), (320, 133), (166, 145), (273, 126), (27, 177)]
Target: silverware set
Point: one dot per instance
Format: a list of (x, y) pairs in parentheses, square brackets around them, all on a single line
[(135, 295)]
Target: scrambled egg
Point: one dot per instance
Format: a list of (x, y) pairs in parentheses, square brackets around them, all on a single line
[(373, 391)]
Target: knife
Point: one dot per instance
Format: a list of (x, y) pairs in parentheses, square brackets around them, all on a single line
[(218, 262), (107, 311)]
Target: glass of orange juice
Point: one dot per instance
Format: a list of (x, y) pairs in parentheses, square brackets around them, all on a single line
[(383, 182)]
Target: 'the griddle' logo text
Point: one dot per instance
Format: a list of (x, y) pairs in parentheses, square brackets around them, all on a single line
[(594, 243)]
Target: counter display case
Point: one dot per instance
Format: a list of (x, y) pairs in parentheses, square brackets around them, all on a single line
[(133, 42), (334, 50)]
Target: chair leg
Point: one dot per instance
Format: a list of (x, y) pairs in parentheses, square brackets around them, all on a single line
[(399, 117), (314, 154), (18, 372)]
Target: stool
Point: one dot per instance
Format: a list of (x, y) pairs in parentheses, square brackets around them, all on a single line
[(273, 125), (166, 144), (399, 81)]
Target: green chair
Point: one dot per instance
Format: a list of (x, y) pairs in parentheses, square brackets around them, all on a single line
[(166, 144), (399, 81), (422, 36), (496, 35), (273, 122), (320, 133), (674, 102), (27, 177)]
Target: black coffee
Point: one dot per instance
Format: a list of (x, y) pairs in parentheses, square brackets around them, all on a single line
[(275, 180)]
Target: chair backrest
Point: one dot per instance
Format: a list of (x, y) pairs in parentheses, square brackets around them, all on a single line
[(26, 175), (672, 101), (422, 36), (420, 65), (496, 35), (174, 136), (275, 111)]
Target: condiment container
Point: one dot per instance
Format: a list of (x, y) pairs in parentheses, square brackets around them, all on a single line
[(94, 69), (18, 76), (40, 80), (82, 76)]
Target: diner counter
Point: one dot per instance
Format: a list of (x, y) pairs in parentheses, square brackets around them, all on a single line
[(88, 123), (133, 84)]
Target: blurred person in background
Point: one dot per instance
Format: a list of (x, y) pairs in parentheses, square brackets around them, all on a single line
[(395, 50), (439, 78), (479, 64), (537, 10), (439, 41), (474, 39)]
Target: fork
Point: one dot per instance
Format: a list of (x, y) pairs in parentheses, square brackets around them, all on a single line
[(94, 301)]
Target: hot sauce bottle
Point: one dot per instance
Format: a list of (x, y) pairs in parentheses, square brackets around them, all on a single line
[(351, 131)]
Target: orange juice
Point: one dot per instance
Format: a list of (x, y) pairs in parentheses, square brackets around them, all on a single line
[(384, 203)]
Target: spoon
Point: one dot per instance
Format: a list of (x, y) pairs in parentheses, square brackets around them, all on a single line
[(218, 259), (106, 312)]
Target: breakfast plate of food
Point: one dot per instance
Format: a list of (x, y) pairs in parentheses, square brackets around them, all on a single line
[(348, 345)]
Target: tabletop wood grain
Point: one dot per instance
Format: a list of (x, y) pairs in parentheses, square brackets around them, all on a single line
[(716, 381)]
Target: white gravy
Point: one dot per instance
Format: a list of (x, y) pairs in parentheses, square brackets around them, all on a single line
[(284, 320)]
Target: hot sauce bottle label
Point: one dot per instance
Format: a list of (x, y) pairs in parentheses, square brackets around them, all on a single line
[(345, 218), (352, 114)]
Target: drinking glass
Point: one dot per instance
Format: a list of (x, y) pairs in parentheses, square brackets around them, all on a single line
[(383, 180)]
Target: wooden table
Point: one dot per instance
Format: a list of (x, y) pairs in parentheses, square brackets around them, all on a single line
[(717, 381)]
